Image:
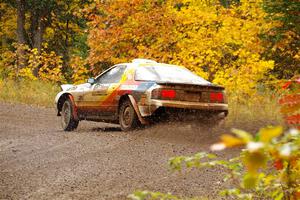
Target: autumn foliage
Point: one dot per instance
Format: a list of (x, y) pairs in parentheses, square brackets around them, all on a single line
[(231, 43), (290, 102), (248, 46), (218, 43)]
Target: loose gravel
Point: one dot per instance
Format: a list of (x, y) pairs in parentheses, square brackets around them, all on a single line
[(98, 161)]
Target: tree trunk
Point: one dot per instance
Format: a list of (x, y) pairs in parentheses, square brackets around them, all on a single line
[(38, 35), (38, 38), (21, 33), (33, 27), (65, 50)]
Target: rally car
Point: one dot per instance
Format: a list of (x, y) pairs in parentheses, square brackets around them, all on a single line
[(138, 93)]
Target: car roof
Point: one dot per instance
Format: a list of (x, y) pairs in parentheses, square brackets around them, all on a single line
[(147, 63), (136, 63)]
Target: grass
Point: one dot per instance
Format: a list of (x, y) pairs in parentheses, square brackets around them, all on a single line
[(28, 92), (258, 111)]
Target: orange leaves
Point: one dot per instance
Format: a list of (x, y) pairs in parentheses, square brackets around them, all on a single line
[(278, 164), (129, 29), (288, 109), (293, 119), (290, 102), (290, 99), (217, 43)]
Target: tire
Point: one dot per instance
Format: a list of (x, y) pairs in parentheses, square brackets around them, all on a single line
[(67, 118), (128, 118)]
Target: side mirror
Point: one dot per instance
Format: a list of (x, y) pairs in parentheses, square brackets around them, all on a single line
[(91, 81)]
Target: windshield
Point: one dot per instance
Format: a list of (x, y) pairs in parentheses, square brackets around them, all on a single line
[(168, 74)]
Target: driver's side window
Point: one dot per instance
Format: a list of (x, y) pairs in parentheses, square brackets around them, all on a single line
[(112, 76)]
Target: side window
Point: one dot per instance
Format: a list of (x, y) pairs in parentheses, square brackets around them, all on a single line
[(112, 76)]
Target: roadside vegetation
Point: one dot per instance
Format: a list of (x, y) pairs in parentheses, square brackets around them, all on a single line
[(268, 167), (259, 110), (250, 47), (28, 92)]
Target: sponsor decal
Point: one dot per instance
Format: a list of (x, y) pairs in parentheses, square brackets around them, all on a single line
[(80, 98), (129, 87)]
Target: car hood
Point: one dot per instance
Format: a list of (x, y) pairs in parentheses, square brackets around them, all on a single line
[(70, 87)]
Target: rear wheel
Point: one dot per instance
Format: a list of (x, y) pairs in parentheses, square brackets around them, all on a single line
[(67, 116), (128, 118)]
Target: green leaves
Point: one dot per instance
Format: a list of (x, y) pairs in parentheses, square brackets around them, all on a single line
[(176, 163), (143, 195), (268, 167), (250, 181), (246, 137)]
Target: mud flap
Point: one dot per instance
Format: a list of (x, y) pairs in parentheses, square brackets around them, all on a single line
[(135, 106)]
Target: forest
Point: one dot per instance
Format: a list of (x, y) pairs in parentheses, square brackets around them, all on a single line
[(239, 44)]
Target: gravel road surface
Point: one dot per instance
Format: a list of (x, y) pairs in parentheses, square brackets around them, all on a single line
[(97, 161)]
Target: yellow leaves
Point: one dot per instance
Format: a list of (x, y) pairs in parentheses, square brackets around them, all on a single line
[(230, 39), (49, 65), (8, 23), (228, 141), (231, 141), (253, 145), (268, 133), (246, 137), (215, 42), (80, 72), (254, 160), (26, 73), (250, 181), (269, 160)]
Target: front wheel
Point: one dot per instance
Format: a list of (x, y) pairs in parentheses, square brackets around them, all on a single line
[(67, 117), (127, 116)]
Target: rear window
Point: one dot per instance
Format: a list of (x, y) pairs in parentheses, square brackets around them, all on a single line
[(168, 74)]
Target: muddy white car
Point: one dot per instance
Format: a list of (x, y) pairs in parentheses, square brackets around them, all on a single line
[(140, 92)]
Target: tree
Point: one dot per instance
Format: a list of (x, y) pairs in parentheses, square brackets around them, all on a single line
[(219, 43), (123, 30), (283, 40), (67, 35), (21, 32), (56, 24)]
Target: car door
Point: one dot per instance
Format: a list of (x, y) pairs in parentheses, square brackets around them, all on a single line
[(104, 92)]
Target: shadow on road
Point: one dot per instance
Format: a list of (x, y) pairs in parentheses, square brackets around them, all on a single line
[(106, 129)]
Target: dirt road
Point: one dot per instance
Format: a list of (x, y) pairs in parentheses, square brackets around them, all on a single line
[(97, 161)]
